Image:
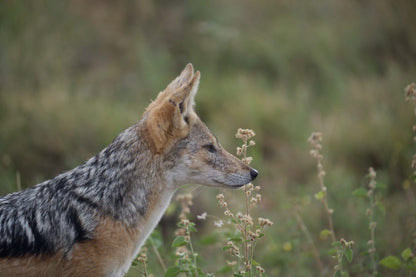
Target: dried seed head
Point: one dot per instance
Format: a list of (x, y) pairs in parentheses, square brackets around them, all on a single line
[(372, 173), (247, 160), (247, 219), (410, 92), (315, 138), (142, 258), (264, 222), (233, 263), (260, 269), (185, 221), (252, 235), (228, 213), (245, 134)]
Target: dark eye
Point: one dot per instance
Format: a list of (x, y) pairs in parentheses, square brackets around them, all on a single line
[(210, 147)]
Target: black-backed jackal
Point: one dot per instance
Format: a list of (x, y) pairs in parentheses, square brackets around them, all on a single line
[(93, 219)]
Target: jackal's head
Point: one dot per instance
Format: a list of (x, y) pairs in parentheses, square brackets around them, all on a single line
[(177, 135)]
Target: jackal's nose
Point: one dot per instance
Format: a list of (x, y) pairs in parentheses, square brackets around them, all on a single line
[(253, 173)]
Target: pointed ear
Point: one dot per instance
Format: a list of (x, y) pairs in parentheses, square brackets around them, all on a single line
[(184, 78), (168, 119), (184, 97)]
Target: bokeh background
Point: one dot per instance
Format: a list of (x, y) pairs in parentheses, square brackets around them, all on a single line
[(74, 73)]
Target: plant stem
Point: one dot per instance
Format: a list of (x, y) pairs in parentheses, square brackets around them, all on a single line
[(247, 262), (305, 230), (327, 210), (371, 191), (159, 258), (192, 253)]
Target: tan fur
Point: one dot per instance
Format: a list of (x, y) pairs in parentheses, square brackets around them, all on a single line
[(114, 244)]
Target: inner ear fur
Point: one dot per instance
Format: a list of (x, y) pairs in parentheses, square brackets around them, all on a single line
[(185, 95), (167, 118), (164, 126)]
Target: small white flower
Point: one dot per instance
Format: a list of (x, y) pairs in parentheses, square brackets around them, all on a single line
[(203, 216), (218, 223)]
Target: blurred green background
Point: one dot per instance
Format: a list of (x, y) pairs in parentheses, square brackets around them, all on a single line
[(73, 74)]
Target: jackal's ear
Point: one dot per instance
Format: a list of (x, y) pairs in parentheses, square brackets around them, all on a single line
[(168, 119), (182, 80), (184, 96)]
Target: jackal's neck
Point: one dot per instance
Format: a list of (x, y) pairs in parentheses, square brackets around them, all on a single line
[(124, 179)]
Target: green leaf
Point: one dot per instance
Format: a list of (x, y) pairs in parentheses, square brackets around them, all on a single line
[(407, 254), (179, 241), (173, 271), (320, 195), (135, 262), (332, 251), (336, 244), (191, 228), (411, 265), (349, 254), (391, 262), (360, 192), (237, 275), (324, 234)]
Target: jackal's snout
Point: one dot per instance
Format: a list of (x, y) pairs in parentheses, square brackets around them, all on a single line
[(253, 174)]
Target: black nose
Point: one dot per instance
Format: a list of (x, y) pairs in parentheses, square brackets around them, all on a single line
[(253, 173)]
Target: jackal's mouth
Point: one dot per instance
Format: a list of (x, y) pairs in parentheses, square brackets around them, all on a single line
[(236, 186), (229, 186), (237, 180)]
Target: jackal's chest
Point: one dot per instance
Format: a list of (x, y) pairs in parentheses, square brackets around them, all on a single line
[(120, 244)]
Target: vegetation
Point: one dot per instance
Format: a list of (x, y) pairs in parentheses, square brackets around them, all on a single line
[(73, 74)]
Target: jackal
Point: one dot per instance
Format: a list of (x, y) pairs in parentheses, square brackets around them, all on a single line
[(93, 219)]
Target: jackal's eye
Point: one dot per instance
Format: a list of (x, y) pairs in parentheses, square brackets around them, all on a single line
[(210, 147)]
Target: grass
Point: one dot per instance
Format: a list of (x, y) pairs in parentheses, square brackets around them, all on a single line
[(239, 241), (74, 74)]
